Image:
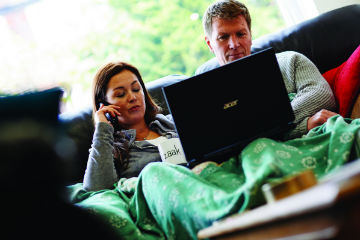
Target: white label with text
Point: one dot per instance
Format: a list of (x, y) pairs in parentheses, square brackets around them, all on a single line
[(171, 151)]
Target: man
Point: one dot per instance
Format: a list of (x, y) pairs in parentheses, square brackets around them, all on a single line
[(227, 27)]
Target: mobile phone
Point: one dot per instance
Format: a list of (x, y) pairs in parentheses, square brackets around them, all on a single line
[(113, 120)]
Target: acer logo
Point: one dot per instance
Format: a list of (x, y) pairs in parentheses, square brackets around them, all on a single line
[(231, 104)]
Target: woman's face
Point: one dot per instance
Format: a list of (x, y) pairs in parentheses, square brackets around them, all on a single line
[(125, 91)]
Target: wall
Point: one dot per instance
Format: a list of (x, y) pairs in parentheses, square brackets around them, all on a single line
[(327, 5), (296, 11)]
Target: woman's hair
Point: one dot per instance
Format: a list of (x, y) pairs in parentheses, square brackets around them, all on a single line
[(100, 86), (225, 9)]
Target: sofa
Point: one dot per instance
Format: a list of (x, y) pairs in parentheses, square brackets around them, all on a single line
[(328, 40)]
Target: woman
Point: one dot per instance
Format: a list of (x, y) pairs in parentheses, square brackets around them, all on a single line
[(119, 92)]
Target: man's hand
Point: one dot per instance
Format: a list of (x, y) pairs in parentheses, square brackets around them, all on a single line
[(319, 118)]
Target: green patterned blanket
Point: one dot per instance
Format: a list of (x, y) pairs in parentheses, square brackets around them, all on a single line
[(171, 202)]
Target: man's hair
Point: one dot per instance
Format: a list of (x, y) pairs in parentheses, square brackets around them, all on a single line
[(225, 9)]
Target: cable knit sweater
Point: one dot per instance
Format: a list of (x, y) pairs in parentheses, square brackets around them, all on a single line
[(312, 92)]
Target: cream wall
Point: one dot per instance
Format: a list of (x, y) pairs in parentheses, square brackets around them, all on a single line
[(296, 11), (328, 5)]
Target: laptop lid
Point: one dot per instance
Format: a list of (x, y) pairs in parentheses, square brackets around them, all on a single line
[(222, 110)]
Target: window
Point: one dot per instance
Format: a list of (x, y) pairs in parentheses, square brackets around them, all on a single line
[(64, 42), (296, 11)]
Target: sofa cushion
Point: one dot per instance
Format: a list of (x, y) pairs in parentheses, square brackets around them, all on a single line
[(344, 80), (42, 106)]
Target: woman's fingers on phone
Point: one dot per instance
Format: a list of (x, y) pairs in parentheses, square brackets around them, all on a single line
[(113, 110)]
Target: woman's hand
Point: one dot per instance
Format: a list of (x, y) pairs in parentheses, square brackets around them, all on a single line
[(100, 114), (319, 118), (201, 166)]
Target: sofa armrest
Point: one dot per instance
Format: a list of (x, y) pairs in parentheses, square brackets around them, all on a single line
[(79, 127)]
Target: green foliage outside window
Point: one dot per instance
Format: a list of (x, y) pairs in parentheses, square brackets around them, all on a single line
[(163, 37), (160, 37)]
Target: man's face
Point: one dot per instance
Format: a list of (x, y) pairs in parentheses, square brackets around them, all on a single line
[(230, 39)]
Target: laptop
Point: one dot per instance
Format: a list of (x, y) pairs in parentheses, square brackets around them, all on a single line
[(219, 112)]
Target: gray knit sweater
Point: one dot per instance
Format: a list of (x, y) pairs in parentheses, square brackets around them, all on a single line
[(313, 93), (301, 76)]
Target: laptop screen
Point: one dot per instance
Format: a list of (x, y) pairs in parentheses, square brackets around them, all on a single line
[(226, 108)]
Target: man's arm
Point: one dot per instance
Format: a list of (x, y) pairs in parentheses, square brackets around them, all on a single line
[(312, 91)]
